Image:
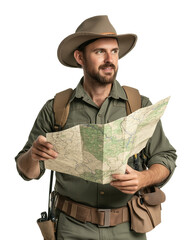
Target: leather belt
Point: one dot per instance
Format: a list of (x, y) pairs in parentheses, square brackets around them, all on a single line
[(83, 213)]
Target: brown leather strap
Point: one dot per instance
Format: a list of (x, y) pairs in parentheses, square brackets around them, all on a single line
[(61, 104), (134, 99), (61, 107), (83, 213)]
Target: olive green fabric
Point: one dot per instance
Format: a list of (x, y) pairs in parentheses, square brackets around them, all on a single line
[(84, 110), (69, 228)]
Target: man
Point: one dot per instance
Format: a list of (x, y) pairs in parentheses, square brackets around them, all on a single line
[(98, 98)]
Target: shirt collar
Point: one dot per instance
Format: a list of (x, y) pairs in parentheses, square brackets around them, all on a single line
[(116, 91), (78, 92)]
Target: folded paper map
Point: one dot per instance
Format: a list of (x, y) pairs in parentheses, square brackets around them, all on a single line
[(96, 151)]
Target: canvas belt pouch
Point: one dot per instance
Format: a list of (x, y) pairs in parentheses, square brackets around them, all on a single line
[(47, 226), (145, 209), (47, 229)]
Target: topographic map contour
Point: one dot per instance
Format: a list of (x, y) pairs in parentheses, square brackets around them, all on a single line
[(96, 151)]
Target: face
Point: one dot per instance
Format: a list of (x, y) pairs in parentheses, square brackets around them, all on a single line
[(100, 60)]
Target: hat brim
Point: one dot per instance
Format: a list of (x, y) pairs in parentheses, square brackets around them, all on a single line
[(67, 47)]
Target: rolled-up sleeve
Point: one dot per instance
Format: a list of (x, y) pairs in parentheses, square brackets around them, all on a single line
[(159, 151), (43, 124)]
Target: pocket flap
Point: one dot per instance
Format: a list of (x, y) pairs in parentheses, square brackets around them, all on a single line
[(154, 198)]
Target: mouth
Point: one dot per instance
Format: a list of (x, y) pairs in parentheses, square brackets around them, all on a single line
[(107, 68)]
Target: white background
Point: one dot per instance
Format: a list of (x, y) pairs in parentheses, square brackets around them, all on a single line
[(159, 66)]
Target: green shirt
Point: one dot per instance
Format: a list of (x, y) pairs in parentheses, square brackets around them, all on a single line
[(84, 110)]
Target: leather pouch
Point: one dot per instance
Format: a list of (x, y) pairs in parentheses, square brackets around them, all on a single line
[(145, 210), (47, 230)]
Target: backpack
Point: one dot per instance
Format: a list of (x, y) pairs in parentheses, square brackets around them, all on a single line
[(61, 105)]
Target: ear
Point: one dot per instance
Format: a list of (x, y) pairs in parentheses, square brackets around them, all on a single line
[(78, 55)]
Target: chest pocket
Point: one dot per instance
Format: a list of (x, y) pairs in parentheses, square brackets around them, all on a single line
[(116, 110), (78, 114)]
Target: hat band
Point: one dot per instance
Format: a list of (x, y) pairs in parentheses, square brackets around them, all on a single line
[(108, 33)]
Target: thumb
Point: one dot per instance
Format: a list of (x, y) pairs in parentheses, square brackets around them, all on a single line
[(41, 139)]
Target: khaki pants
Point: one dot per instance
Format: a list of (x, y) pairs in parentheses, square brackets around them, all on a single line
[(69, 228)]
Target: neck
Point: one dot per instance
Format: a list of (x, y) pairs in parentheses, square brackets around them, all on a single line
[(98, 92)]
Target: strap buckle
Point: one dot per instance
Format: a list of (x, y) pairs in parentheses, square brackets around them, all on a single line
[(107, 217), (57, 128)]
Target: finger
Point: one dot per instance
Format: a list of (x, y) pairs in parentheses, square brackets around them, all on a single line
[(130, 183), (128, 190), (41, 140), (43, 155), (41, 144), (37, 157), (49, 151), (122, 177)]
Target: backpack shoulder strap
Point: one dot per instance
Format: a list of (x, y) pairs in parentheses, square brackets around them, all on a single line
[(134, 99), (61, 104), (61, 107), (132, 104)]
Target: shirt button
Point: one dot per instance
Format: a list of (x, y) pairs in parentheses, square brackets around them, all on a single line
[(102, 193)]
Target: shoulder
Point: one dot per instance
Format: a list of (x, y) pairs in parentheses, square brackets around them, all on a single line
[(48, 106), (145, 101), (46, 115)]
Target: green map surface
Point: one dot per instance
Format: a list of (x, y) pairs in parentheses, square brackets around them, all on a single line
[(95, 151)]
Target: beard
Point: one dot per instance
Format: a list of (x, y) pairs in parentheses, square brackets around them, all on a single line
[(104, 79)]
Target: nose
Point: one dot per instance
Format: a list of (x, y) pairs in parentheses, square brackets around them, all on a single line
[(108, 57)]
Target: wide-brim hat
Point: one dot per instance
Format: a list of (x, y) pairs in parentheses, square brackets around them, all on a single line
[(93, 28)]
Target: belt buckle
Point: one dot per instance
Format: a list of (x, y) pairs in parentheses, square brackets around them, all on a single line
[(107, 217)]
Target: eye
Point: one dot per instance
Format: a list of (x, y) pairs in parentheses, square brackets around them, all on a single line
[(115, 51), (99, 51)]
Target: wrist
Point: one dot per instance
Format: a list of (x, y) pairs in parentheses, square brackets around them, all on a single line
[(28, 166), (156, 174), (146, 178)]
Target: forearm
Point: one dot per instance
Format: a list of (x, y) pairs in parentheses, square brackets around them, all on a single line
[(133, 180), (41, 150), (29, 167), (156, 174)]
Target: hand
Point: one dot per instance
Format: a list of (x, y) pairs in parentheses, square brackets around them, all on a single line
[(128, 183), (42, 150)]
